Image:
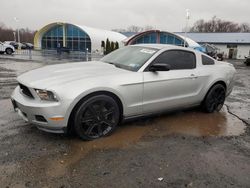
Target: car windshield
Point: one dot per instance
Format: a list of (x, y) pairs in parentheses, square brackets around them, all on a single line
[(130, 58)]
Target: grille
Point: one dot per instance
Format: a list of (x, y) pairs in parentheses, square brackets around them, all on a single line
[(25, 90)]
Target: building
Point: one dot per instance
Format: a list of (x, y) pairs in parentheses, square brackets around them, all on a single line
[(232, 45), (160, 37), (74, 37)]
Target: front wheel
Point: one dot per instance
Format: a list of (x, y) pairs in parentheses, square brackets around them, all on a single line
[(9, 51), (96, 117), (214, 99)]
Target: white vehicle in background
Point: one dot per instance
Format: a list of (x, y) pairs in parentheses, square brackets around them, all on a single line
[(6, 48)]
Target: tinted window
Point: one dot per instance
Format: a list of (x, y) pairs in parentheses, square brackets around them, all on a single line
[(207, 60), (177, 59)]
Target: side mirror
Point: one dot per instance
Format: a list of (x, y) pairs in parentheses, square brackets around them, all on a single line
[(159, 67)]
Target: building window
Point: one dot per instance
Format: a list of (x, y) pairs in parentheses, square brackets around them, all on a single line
[(76, 39), (147, 38), (52, 37), (231, 45), (170, 39)]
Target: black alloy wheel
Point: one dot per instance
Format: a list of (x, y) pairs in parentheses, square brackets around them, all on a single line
[(215, 99), (96, 117)]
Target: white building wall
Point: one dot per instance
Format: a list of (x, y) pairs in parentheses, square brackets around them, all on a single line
[(242, 50), (99, 35)]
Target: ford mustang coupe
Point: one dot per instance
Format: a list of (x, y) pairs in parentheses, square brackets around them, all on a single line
[(92, 98)]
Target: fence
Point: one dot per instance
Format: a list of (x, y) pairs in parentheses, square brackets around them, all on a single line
[(45, 55)]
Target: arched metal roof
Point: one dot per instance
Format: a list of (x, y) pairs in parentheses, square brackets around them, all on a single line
[(131, 39)]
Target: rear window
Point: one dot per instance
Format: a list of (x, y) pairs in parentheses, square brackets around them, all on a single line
[(207, 60)]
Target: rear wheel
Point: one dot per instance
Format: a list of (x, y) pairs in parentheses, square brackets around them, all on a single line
[(215, 99), (9, 51), (96, 117)]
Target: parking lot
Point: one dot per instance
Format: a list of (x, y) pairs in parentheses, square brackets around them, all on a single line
[(179, 149)]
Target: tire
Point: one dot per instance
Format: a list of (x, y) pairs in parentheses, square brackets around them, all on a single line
[(96, 117), (214, 99), (9, 51), (1, 52)]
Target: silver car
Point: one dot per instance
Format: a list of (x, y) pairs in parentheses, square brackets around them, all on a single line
[(92, 98)]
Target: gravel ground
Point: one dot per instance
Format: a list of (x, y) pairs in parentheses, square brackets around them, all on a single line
[(180, 149)]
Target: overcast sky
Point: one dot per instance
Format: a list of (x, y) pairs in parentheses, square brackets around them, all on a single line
[(110, 14)]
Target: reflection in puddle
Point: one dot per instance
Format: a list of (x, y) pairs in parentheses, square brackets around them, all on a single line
[(196, 123), (191, 123)]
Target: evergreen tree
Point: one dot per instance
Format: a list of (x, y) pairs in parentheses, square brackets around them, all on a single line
[(107, 49), (116, 45), (103, 46), (112, 46)]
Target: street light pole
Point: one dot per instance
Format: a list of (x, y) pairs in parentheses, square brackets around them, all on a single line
[(186, 27), (14, 34), (18, 34)]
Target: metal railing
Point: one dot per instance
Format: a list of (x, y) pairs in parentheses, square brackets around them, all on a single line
[(43, 55)]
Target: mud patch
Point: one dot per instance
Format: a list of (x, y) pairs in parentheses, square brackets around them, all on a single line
[(191, 123)]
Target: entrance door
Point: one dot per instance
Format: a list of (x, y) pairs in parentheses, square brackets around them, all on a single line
[(230, 54)]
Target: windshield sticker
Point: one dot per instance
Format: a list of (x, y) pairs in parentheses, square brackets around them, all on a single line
[(133, 65), (147, 51)]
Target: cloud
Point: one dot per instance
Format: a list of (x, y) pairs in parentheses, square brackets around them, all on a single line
[(109, 14)]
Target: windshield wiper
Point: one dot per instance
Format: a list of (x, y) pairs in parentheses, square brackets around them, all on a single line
[(116, 65)]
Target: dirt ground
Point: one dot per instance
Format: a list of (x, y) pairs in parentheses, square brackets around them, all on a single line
[(180, 149)]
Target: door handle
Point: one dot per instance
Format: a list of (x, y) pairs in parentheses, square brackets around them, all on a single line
[(193, 76)]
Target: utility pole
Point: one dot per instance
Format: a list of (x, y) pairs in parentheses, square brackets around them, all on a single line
[(14, 34), (18, 34), (187, 18)]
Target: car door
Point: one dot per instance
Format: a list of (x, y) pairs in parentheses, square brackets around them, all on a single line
[(177, 87)]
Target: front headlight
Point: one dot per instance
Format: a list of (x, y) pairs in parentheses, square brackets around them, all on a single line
[(46, 95)]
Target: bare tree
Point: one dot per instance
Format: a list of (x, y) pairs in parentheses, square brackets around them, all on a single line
[(245, 27), (148, 27), (218, 25), (7, 34), (134, 28)]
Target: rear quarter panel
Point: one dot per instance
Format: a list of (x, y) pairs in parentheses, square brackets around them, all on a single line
[(220, 71)]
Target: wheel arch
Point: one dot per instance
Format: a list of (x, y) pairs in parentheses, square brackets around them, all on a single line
[(9, 48), (223, 83), (95, 93)]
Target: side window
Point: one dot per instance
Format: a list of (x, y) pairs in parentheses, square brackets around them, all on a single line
[(177, 59), (207, 60)]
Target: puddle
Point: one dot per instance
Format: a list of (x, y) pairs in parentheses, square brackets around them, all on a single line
[(191, 123), (196, 123)]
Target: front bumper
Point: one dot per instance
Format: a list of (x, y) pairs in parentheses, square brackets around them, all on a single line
[(39, 112)]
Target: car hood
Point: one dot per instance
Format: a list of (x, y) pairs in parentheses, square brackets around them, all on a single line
[(45, 77)]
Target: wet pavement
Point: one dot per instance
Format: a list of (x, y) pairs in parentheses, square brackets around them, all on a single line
[(185, 148), (50, 56)]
